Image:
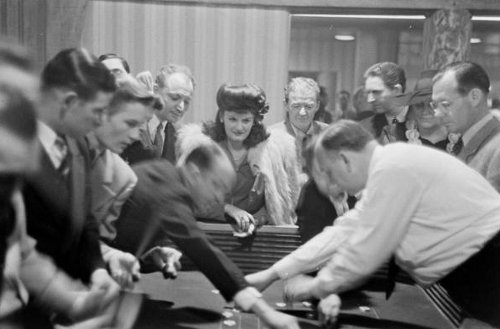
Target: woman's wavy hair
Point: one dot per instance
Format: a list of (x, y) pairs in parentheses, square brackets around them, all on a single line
[(240, 98)]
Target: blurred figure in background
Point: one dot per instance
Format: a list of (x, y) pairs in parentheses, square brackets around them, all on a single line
[(323, 114), (345, 106), (118, 66)]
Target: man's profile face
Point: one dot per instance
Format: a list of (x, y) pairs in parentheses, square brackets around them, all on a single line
[(380, 96), (115, 66), (341, 176), (123, 127), (302, 105), (454, 110), (176, 95), (83, 116)]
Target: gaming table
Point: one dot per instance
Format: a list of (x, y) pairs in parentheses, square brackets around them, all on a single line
[(191, 301)]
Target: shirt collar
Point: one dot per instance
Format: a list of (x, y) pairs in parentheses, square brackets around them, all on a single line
[(401, 117), (153, 125), (474, 129), (300, 133), (47, 136)]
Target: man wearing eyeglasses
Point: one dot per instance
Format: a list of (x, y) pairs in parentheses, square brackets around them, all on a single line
[(459, 98), (301, 103), (175, 85)]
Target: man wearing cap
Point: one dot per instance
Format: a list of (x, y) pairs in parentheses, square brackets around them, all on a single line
[(459, 98), (385, 85), (424, 127)]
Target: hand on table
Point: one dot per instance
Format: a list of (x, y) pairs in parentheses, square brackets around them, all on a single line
[(164, 259), (328, 309), (124, 268), (242, 218)]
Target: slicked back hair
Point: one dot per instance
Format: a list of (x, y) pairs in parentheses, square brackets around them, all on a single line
[(78, 70), (104, 57), (391, 74), (345, 135), (469, 75)]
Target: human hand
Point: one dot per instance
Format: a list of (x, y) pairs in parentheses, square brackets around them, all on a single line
[(298, 288), (328, 309), (242, 218), (101, 280), (124, 268), (262, 279), (164, 259)]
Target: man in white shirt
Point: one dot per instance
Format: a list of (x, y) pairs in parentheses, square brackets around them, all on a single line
[(460, 99), (440, 219), (175, 85)]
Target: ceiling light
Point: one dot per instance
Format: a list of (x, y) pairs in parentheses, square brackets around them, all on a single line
[(362, 16), (395, 17), (344, 37), (486, 18), (475, 40)]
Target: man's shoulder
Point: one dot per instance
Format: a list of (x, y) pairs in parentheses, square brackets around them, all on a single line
[(281, 125)]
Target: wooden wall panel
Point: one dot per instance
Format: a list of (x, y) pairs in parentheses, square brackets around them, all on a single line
[(219, 44)]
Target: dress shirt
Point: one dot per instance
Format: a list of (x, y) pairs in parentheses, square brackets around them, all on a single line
[(401, 117), (153, 126), (48, 137), (474, 129), (429, 209)]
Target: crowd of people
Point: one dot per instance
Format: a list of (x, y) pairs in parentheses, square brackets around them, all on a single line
[(97, 169)]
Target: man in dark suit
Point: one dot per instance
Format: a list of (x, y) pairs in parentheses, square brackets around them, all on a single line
[(76, 90), (175, 85), (166, 199), (385, 84)]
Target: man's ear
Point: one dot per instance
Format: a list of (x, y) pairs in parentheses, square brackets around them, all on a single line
[(398, 88), (69, 99), (475, 96), (347, 162)]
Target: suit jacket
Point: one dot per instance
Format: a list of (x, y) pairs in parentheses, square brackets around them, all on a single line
[(161, 202), (315, 211), (58, 217), (482, 152), (111, 181), (376, 125), (144, 148)]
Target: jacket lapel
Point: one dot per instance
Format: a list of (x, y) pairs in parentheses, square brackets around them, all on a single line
[(481, 137)]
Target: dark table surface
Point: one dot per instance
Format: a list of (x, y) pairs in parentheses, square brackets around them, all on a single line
[(191, 301)]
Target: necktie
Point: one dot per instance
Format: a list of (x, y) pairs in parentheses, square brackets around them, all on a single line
[(158, 141), (169, 143), (458, 146), (392, 272), (62, 149)]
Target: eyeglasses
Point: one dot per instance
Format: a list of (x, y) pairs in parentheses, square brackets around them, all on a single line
[(300, 106), (443, 106)]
